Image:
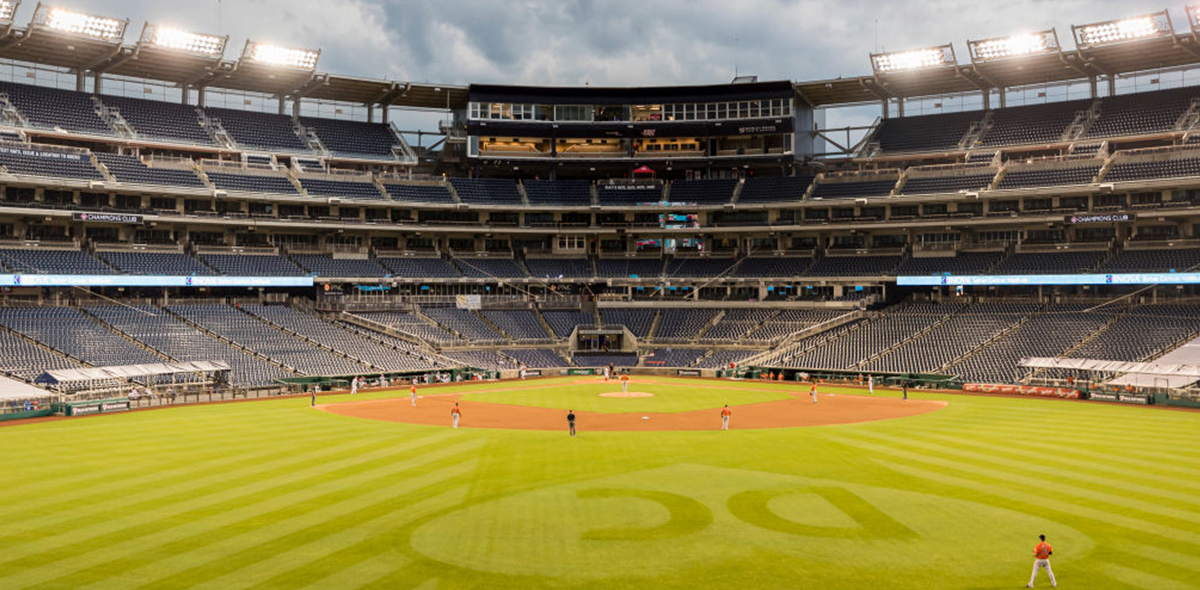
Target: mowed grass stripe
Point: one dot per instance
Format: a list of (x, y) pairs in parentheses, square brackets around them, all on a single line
[(998, 491), (88, 454), (1190, 562), (138, 477), (354, 574), (1100, 501), (344, 529), (1141, 579), (255, 485), (154, 546), (197, 485), (219, 551), (1032, 467), (1152, 464), (1062, 458)]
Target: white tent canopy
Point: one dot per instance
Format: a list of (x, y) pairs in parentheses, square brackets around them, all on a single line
[(1139, 374), (126, 372)]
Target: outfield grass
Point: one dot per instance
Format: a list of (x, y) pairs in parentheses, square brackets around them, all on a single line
[(274, 494)]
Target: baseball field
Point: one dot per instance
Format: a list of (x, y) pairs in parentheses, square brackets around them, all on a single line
[(857, 491)]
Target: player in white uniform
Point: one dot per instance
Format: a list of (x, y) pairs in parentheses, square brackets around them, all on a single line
[(871, 384), (354, 386)]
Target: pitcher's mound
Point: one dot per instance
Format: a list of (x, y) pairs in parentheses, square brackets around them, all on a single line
[(627, 394)]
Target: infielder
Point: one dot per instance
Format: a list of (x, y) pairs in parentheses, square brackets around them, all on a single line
[(725, 413), (455, 414), (625, 383), (354, 386), (1041, 559), (813, 391), (412, 393)]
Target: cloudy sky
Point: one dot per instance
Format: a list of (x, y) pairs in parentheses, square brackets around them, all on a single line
[(608, 42)]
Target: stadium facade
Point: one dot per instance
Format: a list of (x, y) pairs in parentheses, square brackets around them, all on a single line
[(681, 228)]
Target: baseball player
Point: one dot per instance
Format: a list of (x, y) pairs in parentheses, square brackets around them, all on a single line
[(725, 413), (813, 391), (522, 371), (871, 384), (571, 422), (1041, 559), (313, 403), (354, 386), (412, 394), (455, 414), (625, 383)]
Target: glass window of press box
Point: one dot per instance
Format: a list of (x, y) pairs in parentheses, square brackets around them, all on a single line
[(714, 111)]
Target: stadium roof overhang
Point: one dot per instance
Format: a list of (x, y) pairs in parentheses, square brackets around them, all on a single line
[(1061, 65), (125, 372)]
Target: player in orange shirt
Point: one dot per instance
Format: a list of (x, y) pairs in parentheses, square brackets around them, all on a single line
[(725, 413), (813, 392), (1041, 559), (412, 393), (624, 382), (455, 414)]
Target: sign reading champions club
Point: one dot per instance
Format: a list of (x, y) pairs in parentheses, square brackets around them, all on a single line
[(1099, 219), (107, 218)]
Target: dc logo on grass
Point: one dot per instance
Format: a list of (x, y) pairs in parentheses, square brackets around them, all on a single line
[(624, 525)]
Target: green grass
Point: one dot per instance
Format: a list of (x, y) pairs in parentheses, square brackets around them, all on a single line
[(276, 495), (670, 395)]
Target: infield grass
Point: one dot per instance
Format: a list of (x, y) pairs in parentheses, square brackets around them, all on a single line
[(273, 494)]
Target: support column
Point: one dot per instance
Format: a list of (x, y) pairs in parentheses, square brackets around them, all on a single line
[(1092, 87), (80, 81), (370, 113), (185, 92), (1003, 98), (281, 105), (385, 118), (200, 97), (1112, 85), (883, 104), (987, 100), (900, 106), (97, 83)]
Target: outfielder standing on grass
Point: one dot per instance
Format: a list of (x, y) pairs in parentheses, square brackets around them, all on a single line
[(571, 422), (725, 413), (455, 414), (1041, 559)]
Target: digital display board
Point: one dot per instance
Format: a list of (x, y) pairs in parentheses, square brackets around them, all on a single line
[(1151, 278), (19, 280)]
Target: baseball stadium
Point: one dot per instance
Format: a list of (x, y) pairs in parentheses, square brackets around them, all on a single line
[(261, 328)]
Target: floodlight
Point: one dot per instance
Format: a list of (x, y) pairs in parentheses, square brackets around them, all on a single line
[(275, 55), (1193, 13), (77, 23), (181, 40), (1014, 46), (8, 9), (914, 59), (1128, 29)]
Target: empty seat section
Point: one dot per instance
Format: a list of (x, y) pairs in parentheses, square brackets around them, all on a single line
[(563, 322), (253, 183), (925, 133), (638, 321), (67, 330), (834, 266), (964, 263), (1143, 112), (623, 194), (490, 267), (132, 170), (1042, 123), (947, 184), (1129, 171), (1018, 178), (252, 265), (418, 268), (341, 188), (155, 263), (759, 189), (49, 163), (1159, 260), (64, 262), (565, 193), (853, 190), (1038, 263), (698, 267), (567, 268), (259, 130), (327, 266), (354, 138), (51, 108), (465, 323), (537, 358), (626, 268), (702, 192), (776, 266), (419, 193), (486, 191), (520, 325), (153, 119)]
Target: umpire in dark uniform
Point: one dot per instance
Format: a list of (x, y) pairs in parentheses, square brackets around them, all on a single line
[(571, 421)]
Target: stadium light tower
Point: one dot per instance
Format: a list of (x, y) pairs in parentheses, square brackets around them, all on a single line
[(927, 58), (275, 55), (61, 20), (1134, 28), (1193, 14), (1015, 46), (8, 9), (184, 41)]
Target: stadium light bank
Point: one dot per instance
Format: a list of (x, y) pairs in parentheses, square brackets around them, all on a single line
[(1134, 28), (101, 28), (276, 55), (181, 40)]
